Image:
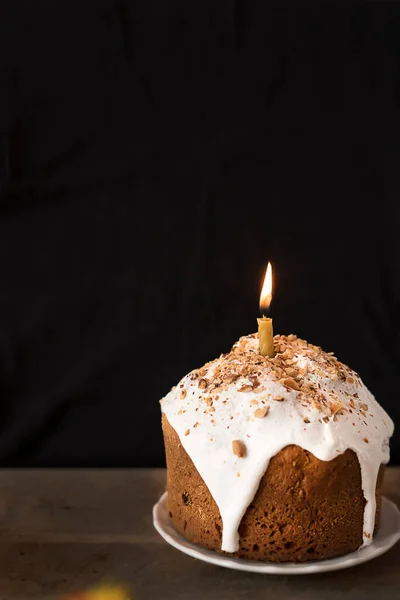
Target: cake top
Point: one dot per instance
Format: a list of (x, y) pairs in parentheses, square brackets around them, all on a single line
[(236, 412), (322, 386)]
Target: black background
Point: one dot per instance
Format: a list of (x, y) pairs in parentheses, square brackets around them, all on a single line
[(154, 157)]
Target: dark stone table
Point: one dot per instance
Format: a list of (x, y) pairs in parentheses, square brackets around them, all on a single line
[(65, 530)]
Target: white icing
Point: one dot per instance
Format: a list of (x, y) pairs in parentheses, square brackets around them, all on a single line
[(216, 417)]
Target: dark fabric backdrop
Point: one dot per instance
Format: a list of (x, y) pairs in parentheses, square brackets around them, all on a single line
[(153, 157)]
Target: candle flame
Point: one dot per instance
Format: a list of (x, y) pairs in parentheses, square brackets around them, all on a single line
[(266, 292)]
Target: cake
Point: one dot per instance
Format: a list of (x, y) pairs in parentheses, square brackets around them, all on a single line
[(275, 459)]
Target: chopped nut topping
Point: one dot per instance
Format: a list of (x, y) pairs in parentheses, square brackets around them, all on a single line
[(261, 412), (245, 388), (231, 378), (291, 383), (295, 365), (365, 440), (239, 448), (183, 394), (335, 407), (187, 432), (292, 372), (255, 382)]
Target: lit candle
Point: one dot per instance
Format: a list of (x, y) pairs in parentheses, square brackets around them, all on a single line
[(265, 332)]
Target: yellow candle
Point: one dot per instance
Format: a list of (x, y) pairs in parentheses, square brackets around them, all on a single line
[(266, 337), (265, 330)]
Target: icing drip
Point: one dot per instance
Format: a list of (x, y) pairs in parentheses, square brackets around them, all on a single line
[(238, 411)]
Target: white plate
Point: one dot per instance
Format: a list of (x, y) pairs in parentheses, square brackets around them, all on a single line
[(388, 535)]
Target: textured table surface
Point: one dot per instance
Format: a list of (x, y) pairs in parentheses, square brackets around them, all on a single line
[(65, 530)]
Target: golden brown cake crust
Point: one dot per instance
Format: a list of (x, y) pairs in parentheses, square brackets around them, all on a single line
[(305, 509)]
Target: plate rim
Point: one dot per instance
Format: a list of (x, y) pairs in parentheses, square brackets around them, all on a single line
[(240, 564)]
